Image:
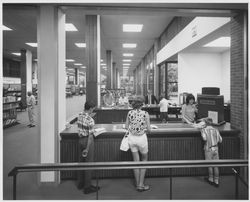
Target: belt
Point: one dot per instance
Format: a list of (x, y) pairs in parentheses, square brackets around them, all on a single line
[(213, 146)]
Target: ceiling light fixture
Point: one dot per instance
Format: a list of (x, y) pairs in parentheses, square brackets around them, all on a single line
[(132, 27), (70, 60), (69, 27), (128, 54), (126, 60), (5, 28), (129, 45), (103, 64), (220, 42), (126, 64), (77, 64), (17, 54), (81, 45), (83, 67), (32, 44)]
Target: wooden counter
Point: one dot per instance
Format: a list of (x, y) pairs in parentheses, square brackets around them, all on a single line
[(118, 115), (173, 141)]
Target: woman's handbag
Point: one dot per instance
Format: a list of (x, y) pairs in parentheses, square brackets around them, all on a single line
[(124, 143)]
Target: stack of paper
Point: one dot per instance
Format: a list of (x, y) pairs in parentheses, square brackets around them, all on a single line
[(99, 131), (153, 126)]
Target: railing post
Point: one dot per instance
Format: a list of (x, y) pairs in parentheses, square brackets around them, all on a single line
[(170, 181), (97, 182), (236, 184), (14, 186)]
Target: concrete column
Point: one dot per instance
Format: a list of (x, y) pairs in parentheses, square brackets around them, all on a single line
[(156, 70), (135, 80), (51, 85), (114, 75), (93, 52), (26, 74), (109, 69), (76, 76), (34, 73), (118, 80), (144, 78)]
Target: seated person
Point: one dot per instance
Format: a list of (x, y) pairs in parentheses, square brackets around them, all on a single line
[(189, 110), (123, 100), (108, 99)]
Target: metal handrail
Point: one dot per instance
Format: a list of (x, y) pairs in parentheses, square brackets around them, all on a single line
[(123, 165)]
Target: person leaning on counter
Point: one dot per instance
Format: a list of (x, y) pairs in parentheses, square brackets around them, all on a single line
[(189, 110), (138, 123), (86, 146)]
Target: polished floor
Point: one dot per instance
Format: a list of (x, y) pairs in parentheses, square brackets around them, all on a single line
[(21, 144)]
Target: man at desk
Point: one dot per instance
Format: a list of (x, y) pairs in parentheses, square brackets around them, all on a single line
[(150, 98), (108, 99), (123, 100)]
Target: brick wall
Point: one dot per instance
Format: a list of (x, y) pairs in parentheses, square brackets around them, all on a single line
[(238, 80)]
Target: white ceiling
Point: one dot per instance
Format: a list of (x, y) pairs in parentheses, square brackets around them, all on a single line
[(22, 19)]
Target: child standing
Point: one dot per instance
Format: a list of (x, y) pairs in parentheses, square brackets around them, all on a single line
[(164, 108), (212, 137)]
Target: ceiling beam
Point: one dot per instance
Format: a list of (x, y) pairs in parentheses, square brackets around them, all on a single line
[(153, 11)]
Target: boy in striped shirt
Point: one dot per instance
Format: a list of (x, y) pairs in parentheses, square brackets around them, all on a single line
[(212, 137)]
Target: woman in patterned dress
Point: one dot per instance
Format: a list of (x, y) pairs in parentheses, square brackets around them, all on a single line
[(137, 124)]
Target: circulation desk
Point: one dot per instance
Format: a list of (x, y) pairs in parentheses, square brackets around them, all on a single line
[(119, 114), (172, 141)]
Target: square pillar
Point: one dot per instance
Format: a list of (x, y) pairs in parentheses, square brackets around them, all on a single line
[(109, 59), (93, 54), (51, 85)]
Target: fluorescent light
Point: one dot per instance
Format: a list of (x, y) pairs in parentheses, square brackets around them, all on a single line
[(220, 42), (70, 27), (32, 44), (81, 45), (101, 60), (83, 67), (77, 64), (126, 60), (36, 60), (70, 60), (129, 45), (126, 64), (132, 27), (5, 28), (17, 54), (128, 54), (103, 64), (70, 70)]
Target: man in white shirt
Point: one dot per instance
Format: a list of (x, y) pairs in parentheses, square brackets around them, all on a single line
[(164, 108)]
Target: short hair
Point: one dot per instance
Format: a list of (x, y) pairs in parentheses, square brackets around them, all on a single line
[(189, 97), (88, 105), (138, 102)]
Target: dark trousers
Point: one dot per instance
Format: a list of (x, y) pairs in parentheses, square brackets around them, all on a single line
[(84, 177), (164, 116)]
